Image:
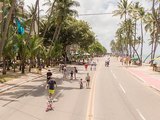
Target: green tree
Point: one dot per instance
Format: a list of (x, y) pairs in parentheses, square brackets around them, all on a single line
[(5, 24)]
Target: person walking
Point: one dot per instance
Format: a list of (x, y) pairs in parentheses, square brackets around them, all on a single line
[(71, 74), (75, 72), (87, 80), (86, 66), (81, 84), (64, 72), (49, 74)]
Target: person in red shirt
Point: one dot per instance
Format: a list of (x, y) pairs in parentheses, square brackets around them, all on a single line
[(86, 66)]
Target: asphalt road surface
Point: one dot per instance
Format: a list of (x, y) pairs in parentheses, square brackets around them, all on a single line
[(120, 96), (115, 94)]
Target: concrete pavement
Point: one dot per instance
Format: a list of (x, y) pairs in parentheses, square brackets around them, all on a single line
[(28, 100), (21, 80), (121, 96)]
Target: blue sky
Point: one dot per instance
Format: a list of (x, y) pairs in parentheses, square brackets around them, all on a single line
[(104, 26)]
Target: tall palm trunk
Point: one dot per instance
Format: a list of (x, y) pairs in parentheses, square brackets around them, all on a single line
[(55, 33), (155, 45), (4, 66), (126, 40), (157, 27), (23, 66), (141, 42), (14, 65), (135, 36), (58, 33), (38, 18), (6, 25), (49, 19), (33, 19)]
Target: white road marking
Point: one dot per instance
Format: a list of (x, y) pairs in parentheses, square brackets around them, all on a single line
[(114, 76), (91, 100), (122, 88), (140, 114)]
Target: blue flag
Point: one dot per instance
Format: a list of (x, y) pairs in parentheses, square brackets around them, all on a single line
[(19, 26)]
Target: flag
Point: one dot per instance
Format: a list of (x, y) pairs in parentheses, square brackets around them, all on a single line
[(19, 26)]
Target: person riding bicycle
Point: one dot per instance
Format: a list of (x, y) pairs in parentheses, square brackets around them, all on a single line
[(107, 61)]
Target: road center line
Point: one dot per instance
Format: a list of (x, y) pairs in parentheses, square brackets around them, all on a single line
[(122, 88), (91, 101), (140, 114)]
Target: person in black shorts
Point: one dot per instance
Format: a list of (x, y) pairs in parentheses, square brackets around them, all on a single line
[(71, 74), (49, 74)]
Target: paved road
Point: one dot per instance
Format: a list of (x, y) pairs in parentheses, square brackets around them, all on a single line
[(29, 101), (120, 96), (114, 95)]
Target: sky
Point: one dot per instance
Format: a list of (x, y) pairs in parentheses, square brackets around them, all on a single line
[(104, 26)]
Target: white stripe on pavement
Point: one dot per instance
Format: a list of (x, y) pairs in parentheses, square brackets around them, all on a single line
[(122, 88), (58, 94), (114, 75), (140, 114), (111, 71)]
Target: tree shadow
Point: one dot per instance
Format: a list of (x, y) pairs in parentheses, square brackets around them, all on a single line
[(40, 90)]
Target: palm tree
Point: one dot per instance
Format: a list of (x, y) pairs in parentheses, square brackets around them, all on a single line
[(156, 14), (141, 13), (152, 27), (63, 10), (34, 46), (123, 7), (4, 31), (134, 14), (34, 18), (51, 10), (119, 36)]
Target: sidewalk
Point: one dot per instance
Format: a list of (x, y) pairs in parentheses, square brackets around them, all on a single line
[(20, 80), (146, 74)]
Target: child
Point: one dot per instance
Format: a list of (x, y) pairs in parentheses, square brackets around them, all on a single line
[(81, 84), (71, 74)]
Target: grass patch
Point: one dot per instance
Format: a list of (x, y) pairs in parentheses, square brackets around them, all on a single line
[(8, 77)]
